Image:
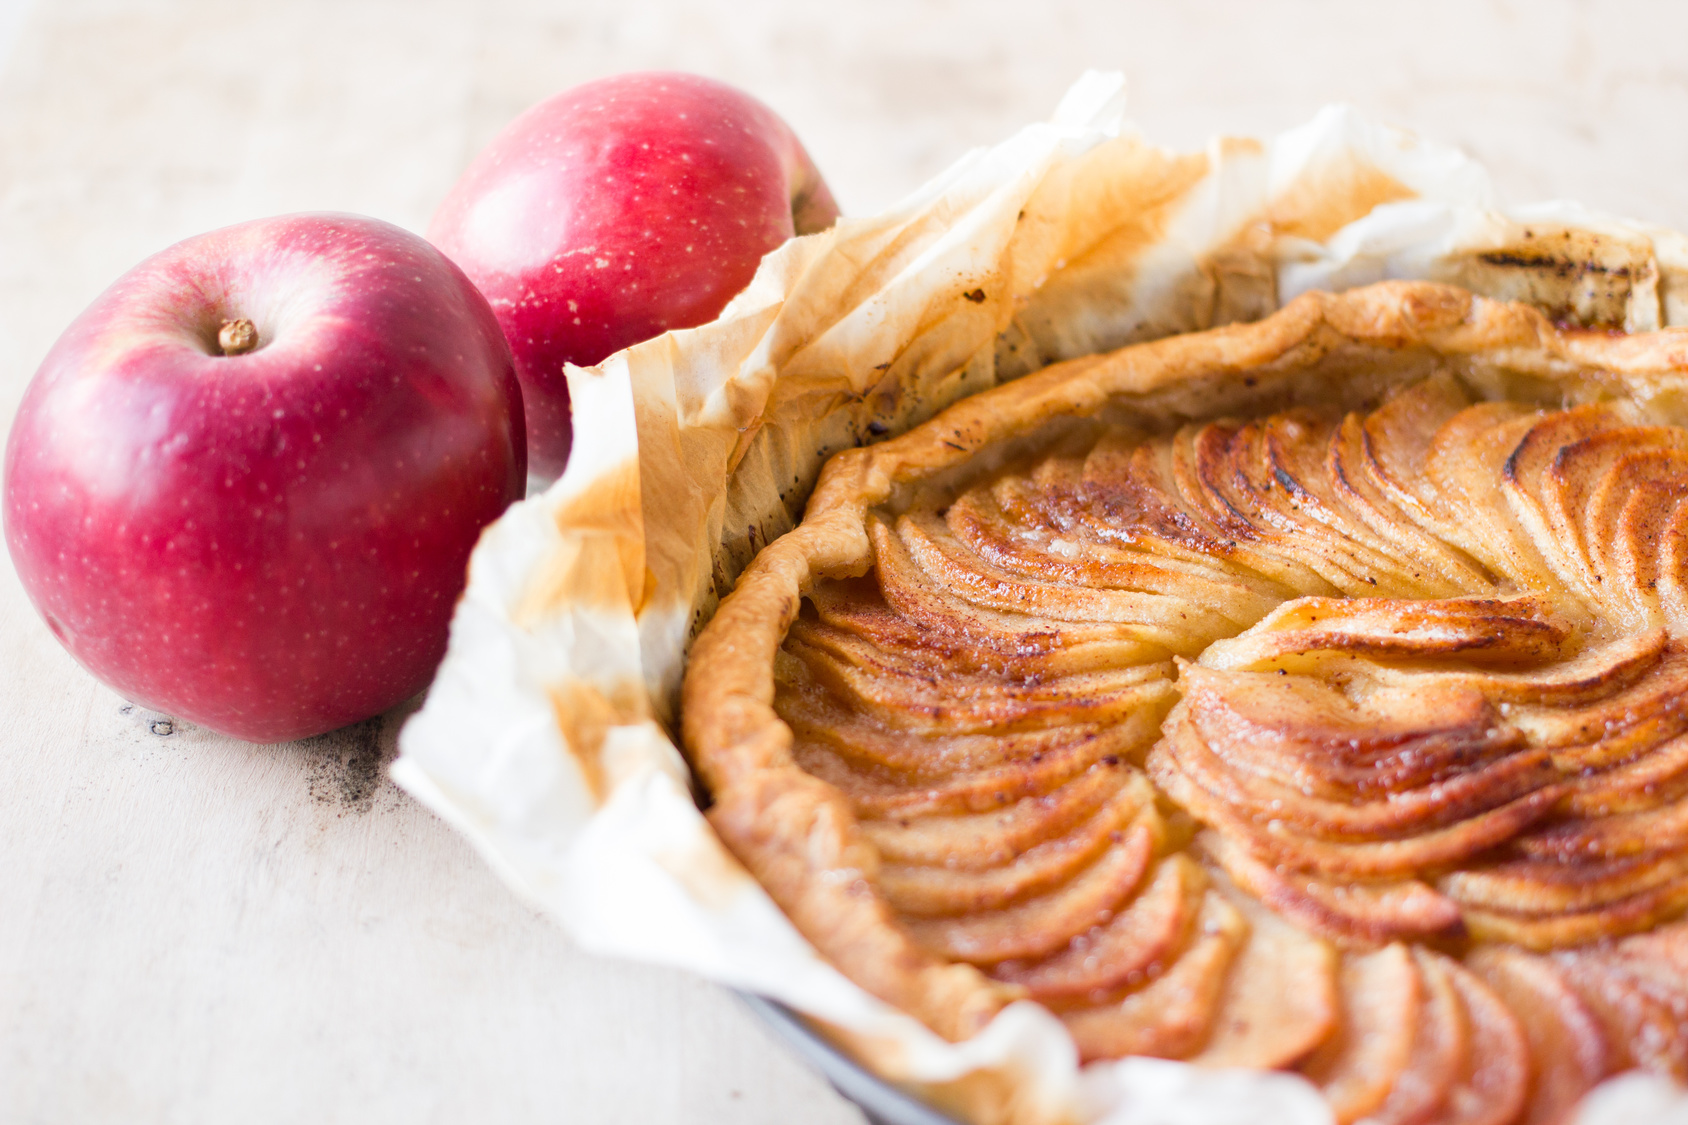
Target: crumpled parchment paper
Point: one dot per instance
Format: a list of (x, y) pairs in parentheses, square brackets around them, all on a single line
[(545, 738)]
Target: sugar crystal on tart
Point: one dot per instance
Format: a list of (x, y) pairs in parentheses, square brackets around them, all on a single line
[(1309, 694)]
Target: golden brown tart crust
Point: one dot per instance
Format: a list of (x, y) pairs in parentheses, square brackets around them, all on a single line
[(1306, 693)]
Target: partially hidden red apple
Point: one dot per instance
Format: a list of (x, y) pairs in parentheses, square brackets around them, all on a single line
[(243, 487), (616, 211)]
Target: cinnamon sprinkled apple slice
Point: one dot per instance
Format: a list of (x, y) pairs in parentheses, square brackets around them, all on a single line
[(1280, 998), (1568, 1046), (1172, 1016), (1126, 951), (1363, 1058), (1040, 926)]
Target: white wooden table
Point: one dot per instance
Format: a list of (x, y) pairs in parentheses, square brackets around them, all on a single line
[(195, 930)]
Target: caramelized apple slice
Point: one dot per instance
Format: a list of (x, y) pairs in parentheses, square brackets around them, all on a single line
[(1133, 947), (1172, 1016), (1641, 1028), (909, 699), (1673, 570), (1467, 458), (1372, 1044), (1621, 726), (1078, 560), (1556, 931), (1344, 910), (1397, 442), (1562, 885), (979, 775), (909, 590), (1020, 771), (1595, 673), (1258, 479), (1435, 568), (1128, 494), (977, 841), (1545, 488), (1655, 778), (882, 751), (1610, 837), (1196, 466), (1280, 466), (1280, 996), (1177, 623), (1039, 926), (1568, 1047), (1638, 487), (866, 640), (935, 891), (1368, 860), (1516, 632), (1307, 734), (1441, 1047), (1495, 1079), (1389, 816), (855, 607), (1666, 946), (1644, 514)]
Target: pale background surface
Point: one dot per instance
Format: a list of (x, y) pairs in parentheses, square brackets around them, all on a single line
[(195, 930)]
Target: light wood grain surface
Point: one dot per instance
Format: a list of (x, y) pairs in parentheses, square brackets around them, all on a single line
[(196, 930)]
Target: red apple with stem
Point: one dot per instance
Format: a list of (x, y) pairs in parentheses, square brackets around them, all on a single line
[(244, 484), (616, 211)]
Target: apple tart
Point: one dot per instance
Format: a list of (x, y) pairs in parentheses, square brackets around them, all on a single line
[(1301, 694)]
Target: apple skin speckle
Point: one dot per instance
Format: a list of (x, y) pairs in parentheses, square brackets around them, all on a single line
[(673, 182)]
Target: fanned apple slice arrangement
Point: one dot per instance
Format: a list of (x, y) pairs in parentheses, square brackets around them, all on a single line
[(1302, 695)]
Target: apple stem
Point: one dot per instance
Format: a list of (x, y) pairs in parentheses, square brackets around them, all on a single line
[(237, 337)]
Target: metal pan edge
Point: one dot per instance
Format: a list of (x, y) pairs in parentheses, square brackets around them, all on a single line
[(883, 1103)]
